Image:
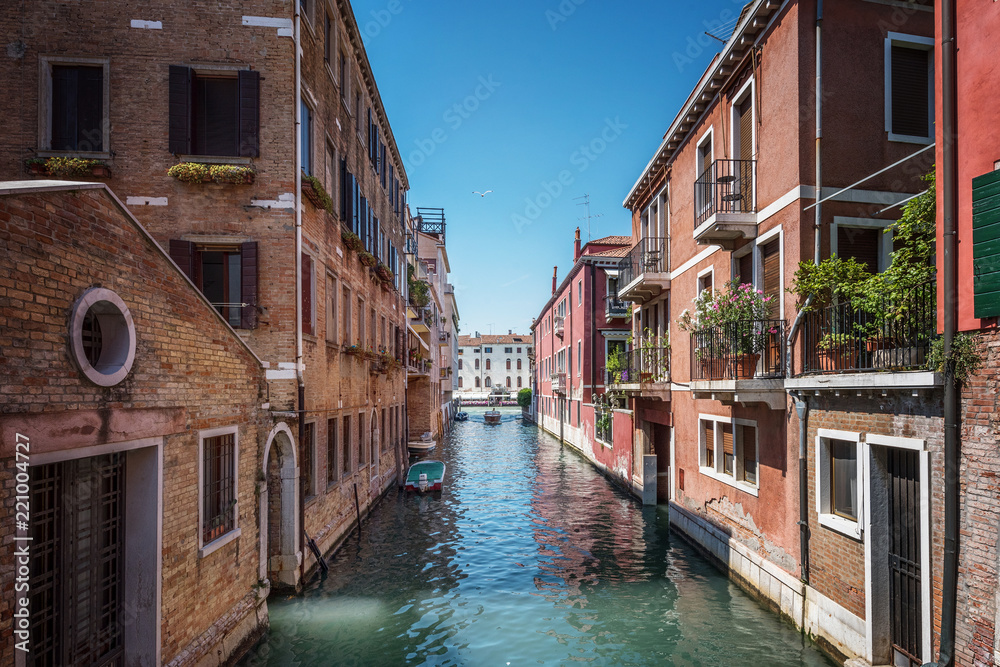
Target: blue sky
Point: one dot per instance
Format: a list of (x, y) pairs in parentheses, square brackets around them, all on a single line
[(541, 101)]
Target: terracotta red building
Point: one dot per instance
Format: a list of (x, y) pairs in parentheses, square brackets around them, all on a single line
[(580, 325)]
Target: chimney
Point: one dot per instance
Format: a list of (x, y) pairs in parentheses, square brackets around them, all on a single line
[(477, 334), (576, 245), (555, 271), (510, 332)]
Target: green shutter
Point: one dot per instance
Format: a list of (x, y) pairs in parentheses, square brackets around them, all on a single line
[(986, 244)]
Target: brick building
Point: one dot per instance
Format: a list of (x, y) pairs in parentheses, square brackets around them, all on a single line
[(140, 417), (580, 327), (967, 157), (493, 362), (796, 516), (284, 205)]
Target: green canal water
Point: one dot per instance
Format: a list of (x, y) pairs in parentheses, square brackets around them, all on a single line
[(528, 557)]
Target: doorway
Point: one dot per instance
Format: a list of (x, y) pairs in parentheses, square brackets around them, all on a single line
[(661, 447), (279, 511)]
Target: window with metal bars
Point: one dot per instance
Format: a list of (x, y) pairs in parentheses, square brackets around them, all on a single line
[(219, 486)]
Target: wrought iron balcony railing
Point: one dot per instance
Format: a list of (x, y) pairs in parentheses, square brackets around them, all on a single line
[(881, 336), (616, 307), (727, 186), (649, 255), (648, 365), (739, 350)]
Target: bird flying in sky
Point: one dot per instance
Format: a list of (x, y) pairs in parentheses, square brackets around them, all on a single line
[(481, 194)]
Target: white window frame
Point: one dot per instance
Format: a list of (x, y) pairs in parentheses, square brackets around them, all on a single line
[(758, 264), (45, 64), (738, 99), (205, 549), (827, 518), (922, 44), (717, 472), (735, 257), (884, 243), (701, 274), (707, 136)]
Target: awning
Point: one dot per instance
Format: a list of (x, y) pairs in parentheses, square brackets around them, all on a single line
[(611, 273), (417, 336)]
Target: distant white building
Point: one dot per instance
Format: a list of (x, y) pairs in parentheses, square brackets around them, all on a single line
[(488, 361)]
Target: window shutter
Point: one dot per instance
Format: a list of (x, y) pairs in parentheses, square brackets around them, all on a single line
[(248, 314), (709, 427), (745, 268), (180, 110), (248, 82), (771, 256), (750, 454), (861, 243), (182, 252), (746, 129), (910, 113), (727, 439), (306, 293), (344, 185), (986, 244)]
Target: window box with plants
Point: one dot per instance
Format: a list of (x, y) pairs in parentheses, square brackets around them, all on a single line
[(316, 193), (68, 167), (198, 172), (367, 258), (351, 240)]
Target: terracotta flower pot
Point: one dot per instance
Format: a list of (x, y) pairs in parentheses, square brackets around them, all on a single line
[(836, 360)]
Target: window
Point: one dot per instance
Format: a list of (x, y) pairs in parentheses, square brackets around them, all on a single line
[(331, 308), (225, 274), (770, 254), (729, 450), (214, 113), (76, 118), (477, 383), (459, 364), (985, 196), (518, 364), (341, 71), (346, 318), (839, 487), (487, 364), (489, 382), (579, 293), (357, 107), (102, 337), (385, 431), (476, 351), (508, 382), (703, 191), (332, 449), (477, 364), (864, 239), (362, 445), (459, 383), (508, 350), (488, 350), (305, 9), (579, 357), (909, 89), (519, 350), (361, 322), (508, 364), (305, 138), (345, 448), (308, 289), (330, 169), (328, 33), (307, 460), (218, 484), (518, 381), (705, 282)]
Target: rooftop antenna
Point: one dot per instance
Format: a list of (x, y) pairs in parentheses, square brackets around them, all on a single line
[(586, 202)]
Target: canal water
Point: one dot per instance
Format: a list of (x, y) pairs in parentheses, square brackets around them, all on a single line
[(528, 557)]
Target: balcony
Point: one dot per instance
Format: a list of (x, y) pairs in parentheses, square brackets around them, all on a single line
[(558, 383), (418, 367), (559, 325), (725, 203), (645, 372), (882, 346), (616, 309), (740, 362), (643, 273), (444, 338)]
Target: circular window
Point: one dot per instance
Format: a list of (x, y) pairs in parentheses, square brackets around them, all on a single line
[(102, 337)]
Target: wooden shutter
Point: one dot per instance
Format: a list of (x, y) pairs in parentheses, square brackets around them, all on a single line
[(861, 243), (771, 256), (709, 428), (745, 269), (910, 81), (307, 293), (248, 84), (746, 129), (727, 439), (750, 454), (248, 286), (986, 244), (180, 110), (182, 252)]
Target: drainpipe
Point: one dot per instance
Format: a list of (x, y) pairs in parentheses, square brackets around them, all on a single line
[(952, 442), (298, 279), (802, 410), (819, 130)]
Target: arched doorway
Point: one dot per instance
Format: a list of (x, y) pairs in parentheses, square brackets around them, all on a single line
[(280, 554)]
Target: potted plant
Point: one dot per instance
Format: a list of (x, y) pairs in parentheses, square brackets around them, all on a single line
[(316, 193), (352, 350), (190, 172), (837, 351), (367, 258), (68, 167), (617, 364), (351, 240)]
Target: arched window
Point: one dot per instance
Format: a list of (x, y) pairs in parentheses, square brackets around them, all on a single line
[(459, 364), (508, 382), (477, 383), (489, 382), (518, 363), (518, 381), (477, 364), (459, 383), (487, 364), (508, 364)]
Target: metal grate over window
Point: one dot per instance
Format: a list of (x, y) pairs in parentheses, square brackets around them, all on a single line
[(219, 477)]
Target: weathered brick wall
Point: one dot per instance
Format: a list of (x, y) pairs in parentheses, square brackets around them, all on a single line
[(978, 551), (837, 562), (56, 246)]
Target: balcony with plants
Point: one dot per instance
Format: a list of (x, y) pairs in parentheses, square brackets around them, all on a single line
[(616, 309), (644, 273), (873, 331), (642, 370), (725, 197), (737, 348)]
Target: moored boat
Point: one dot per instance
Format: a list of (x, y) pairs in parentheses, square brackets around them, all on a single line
[(462, 416), (425, 476)]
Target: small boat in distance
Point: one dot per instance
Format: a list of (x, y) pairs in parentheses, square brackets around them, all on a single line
[(461, 416), (425, 476), (425, 444), (491, 416)]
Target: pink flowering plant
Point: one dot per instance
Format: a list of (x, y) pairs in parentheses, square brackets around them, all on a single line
[(733, 320)]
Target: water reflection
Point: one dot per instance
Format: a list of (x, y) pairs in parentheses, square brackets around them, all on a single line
[(528, 555)]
